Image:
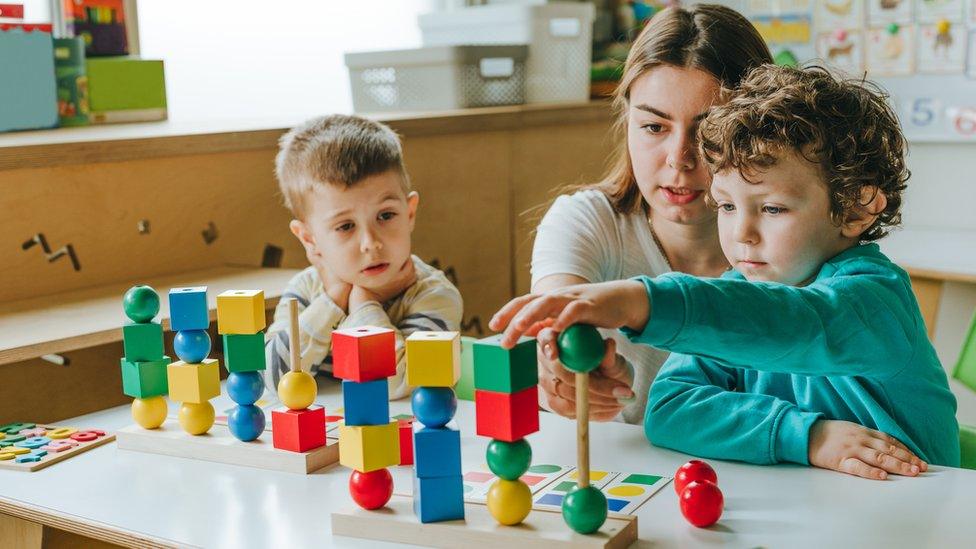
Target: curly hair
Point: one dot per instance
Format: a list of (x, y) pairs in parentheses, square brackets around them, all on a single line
[(844, 126)]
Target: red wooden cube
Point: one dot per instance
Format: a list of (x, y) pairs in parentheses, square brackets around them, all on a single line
[(405, 427), (298, 430), (507, 416), (365, 353)]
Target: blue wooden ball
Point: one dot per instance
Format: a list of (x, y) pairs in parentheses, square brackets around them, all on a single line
[(192, 346), (246, 422), (434, 406), (245, 387)]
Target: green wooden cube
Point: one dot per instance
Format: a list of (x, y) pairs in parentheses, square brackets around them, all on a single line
[(244, 352), (464, 388), (142, 341), (505, 371), (145, 379)]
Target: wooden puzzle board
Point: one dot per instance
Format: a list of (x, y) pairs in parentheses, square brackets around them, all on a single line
[(397, 523), (53, 457), (220, 446)]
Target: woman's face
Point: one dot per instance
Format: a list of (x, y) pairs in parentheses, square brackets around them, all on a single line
[(666, 104)]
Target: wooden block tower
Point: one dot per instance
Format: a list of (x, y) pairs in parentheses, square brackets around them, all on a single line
[(144, 364), (581, 350), (434, 367), (194, 379), (300, 427), (364, 358), (507, 410), (240, 319)]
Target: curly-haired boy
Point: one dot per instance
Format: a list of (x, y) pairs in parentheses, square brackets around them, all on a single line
[(812, 348)]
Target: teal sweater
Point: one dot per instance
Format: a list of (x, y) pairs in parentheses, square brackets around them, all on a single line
[(754, 364)]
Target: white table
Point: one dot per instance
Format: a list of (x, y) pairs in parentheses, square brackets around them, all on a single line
[(134, 497)]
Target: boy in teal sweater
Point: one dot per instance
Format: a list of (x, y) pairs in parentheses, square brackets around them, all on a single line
[(812, 348)]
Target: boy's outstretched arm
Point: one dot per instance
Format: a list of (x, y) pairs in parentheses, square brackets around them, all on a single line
[(693, 408)]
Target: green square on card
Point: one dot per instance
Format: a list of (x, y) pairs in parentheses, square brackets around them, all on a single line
[(564, 486), (635, 478), (505, 371), (244, 352)]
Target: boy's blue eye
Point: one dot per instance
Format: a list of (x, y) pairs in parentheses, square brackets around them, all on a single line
[(345, 227), (773, 210), (386, 216), (726, 207)]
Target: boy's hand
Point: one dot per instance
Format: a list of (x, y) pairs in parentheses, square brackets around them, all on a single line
[(405, 278), (609, 384), (337, 290), (604, 305), (851, 448)]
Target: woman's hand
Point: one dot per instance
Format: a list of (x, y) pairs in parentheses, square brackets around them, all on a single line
[(605, 305), (609, 385)]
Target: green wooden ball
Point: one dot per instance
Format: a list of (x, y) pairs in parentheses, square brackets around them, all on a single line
[(140, 303), (509, 460), (585, 509), (580, 348)]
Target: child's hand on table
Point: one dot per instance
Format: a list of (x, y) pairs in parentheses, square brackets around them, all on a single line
[(851, 448), (604, 305)]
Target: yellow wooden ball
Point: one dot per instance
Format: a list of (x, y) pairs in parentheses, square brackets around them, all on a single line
[(297, 390), (149, 413), (196, 419), (509, 501)]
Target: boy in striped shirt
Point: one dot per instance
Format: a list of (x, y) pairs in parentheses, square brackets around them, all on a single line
[(344, 181)]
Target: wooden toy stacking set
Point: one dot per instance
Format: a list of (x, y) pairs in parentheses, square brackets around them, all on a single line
[(369, 442), (298, 442), (506, 401)]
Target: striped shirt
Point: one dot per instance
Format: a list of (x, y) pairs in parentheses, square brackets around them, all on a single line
[(432, 303)]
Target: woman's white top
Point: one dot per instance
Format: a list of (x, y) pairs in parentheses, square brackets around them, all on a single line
[(582, 235)]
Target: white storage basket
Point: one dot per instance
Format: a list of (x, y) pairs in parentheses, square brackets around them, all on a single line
[(437, 78), (558, 34)]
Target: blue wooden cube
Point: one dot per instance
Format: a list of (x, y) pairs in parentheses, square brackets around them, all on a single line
[(366, 402), (436, 451), (439, 498), (188, 309)]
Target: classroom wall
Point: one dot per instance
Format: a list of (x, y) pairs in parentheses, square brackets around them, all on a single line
[(942, 190)]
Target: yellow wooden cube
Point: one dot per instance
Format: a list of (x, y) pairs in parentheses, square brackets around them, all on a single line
[(367, 448), (240, 312), (433, 359), (193, 383)]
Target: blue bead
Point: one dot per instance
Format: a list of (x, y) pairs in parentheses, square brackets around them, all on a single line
[(434, 406), (245, 387), (192, 346), (246, 422), (188, 309), (366, 402)]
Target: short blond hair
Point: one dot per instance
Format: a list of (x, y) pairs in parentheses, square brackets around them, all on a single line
[(335, 150)]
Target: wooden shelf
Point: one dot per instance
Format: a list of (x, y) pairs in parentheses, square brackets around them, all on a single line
[(118, 142), (93, 316)]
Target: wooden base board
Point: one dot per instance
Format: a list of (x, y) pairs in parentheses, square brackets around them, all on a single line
[(53, 457), (396, 522), (220, 446)]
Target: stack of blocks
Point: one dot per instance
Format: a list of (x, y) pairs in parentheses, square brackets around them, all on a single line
[(299, 427), (194, 379), (433, 367), (240, 319), (144, 364), (364, 358), (506, 407)]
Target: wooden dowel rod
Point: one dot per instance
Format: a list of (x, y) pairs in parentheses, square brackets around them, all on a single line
[(296, 350), (583, 429)]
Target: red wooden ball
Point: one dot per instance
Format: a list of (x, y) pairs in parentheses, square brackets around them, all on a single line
[(371, 490), (695, 469), (702, 503)]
